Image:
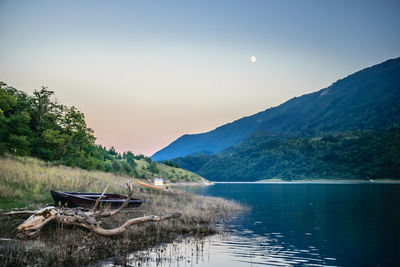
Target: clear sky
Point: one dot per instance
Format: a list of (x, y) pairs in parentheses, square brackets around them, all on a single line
[(146, 72)]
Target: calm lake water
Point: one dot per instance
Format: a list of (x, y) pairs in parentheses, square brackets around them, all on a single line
[(297, 224)]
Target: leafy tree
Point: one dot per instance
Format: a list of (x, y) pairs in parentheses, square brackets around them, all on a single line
[(130, 158), (112, 151), (7, 101), (116, 166), (153, 168)]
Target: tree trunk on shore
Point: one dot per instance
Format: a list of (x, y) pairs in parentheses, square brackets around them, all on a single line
[(83, 218)]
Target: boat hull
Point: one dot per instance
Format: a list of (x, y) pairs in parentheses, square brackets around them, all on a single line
[(88, 200)]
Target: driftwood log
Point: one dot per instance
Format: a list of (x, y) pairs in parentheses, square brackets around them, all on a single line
[(87, 219)]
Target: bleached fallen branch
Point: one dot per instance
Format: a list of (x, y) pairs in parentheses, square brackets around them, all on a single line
[(84, 218), (95, 226)]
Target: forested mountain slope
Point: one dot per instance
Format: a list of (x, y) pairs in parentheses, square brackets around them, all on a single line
[(349, 155)]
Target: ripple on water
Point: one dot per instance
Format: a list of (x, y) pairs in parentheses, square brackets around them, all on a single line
[(224, 250)]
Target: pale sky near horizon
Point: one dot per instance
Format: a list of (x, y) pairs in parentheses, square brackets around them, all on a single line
[(146, 72)]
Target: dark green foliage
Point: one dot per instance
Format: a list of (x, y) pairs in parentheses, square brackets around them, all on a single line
[(365, 100), (349, 155), (129, 157), (7, 101), (153, 168), (116, 166), (139, 157), (170, 163), (112, 151)]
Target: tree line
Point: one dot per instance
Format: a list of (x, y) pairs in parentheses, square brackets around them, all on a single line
[(36, 125)]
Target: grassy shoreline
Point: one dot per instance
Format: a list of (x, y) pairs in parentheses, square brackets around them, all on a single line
[(27, 181)]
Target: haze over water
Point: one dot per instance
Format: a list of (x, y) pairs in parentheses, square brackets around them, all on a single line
[(299, 224)]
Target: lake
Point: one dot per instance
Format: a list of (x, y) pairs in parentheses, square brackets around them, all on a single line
[(307, 224)]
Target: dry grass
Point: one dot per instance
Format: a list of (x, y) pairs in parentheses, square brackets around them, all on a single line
[(26, 180)]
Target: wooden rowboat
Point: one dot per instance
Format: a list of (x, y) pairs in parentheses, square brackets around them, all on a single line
[(88, 200)]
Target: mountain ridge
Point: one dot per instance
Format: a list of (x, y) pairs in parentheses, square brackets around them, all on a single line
[(355, 102)]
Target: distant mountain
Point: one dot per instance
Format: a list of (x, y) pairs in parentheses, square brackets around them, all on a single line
[(365, 100)]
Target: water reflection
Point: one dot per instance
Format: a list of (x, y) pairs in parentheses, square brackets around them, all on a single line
[(229, 249), (182, 252)]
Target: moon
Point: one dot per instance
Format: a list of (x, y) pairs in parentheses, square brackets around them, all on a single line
[(253, 59)]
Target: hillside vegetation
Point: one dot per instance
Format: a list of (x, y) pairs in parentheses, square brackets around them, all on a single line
[(350, 155), (25, 180), (40, 127), (365, 100)]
